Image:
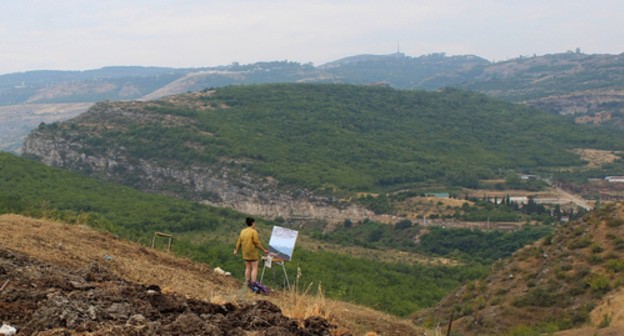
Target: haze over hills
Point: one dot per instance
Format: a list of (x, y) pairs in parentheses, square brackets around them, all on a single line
[(588, 87)]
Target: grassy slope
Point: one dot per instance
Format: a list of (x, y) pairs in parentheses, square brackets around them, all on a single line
[(208, 234), (76, 247)]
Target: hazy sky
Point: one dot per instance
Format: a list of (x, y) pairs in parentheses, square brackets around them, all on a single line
[(79, 35)]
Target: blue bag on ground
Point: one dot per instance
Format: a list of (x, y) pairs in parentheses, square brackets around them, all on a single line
[(259, 288)]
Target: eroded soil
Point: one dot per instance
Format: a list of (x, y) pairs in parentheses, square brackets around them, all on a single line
[(41, 299)]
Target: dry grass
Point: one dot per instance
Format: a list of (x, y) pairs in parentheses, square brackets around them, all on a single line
[(77, 246), (595, 157)]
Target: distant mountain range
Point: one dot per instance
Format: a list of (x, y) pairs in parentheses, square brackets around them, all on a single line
[(588, 87)]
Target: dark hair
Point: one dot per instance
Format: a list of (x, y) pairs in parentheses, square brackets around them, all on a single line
[(249, 221)]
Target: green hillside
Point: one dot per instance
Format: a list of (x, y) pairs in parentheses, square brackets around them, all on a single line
[(208, 234), (351, 138)]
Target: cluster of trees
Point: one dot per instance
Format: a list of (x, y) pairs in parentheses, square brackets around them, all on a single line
[(505, 210), (481, 247)]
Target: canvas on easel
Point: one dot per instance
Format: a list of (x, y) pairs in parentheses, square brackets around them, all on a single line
[(282, 242), (281, 248)]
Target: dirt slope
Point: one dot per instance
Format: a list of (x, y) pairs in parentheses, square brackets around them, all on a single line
[(66, 279)]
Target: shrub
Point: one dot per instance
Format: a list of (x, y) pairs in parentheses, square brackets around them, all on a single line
[(539, 297), (595, 248), (579, 243), (598, 283), (523, 330), (615, 222), (404, 224), (466, 309), (616, 265), (606, 321), (594, 259)]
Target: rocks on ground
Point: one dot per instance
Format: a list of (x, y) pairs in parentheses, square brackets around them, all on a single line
[(45, 300)]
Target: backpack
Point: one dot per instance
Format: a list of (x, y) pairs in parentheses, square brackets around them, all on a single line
[(259, 288)]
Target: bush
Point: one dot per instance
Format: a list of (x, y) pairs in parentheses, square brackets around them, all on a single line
[(579, 243), (404, 224), (616, 265), (539, 297), (598, 283), (614, 222), (606, 321), (595, 248), (523, 330)]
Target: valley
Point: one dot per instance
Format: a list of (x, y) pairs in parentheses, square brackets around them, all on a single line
[(472, 204)]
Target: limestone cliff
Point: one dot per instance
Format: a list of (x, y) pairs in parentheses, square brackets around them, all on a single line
[(224, 184)]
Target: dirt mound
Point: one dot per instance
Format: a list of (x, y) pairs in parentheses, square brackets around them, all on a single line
[(42, 299)]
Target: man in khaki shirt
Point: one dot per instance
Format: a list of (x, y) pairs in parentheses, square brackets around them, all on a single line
[(250, 243)]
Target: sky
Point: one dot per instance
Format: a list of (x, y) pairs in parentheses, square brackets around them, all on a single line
[(82, 35)]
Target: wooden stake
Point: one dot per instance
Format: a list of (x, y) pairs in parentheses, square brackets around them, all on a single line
[(448, 331), (4, 285)]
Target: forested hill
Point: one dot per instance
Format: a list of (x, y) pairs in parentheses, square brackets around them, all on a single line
[(333, 137)]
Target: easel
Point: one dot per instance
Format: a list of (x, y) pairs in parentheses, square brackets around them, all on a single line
[(164, 235), (267, 262)]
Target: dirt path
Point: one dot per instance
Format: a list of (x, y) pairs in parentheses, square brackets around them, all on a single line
[(573, 198)]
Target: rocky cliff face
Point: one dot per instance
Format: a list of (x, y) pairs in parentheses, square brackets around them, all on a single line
[(218, 185), (594, 108)]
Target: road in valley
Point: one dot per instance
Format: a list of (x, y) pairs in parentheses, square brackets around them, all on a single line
[(573, 198)]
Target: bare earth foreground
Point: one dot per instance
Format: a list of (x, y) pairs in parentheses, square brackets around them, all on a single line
[(61, 279)]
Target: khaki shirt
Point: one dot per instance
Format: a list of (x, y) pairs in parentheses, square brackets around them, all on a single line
[(249, 241)]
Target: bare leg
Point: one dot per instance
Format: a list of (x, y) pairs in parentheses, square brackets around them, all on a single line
[(254, 270), (248, 271)]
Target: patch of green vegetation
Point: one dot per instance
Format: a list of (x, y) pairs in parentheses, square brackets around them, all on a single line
[(479, 246)]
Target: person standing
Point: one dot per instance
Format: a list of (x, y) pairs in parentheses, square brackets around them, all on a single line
[(249, 241)]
